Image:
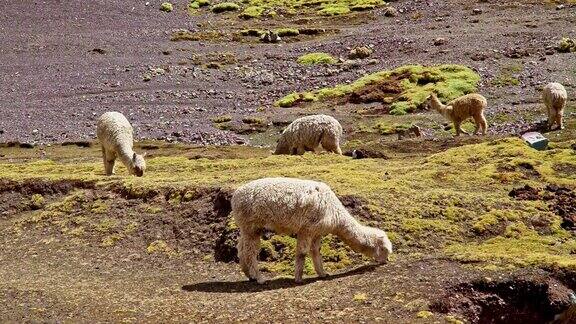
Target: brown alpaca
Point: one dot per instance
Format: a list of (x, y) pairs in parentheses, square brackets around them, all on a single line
[(460, 109)]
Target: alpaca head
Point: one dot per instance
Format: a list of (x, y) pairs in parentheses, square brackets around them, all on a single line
[(282, 147), (427, 102), (379, 246), (138, 165)]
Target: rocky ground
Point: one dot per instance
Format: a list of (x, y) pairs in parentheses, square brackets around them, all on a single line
[(84, 59)]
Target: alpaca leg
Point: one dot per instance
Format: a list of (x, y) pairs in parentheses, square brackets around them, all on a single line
[(331, 144), (459, 129), (484, 124), (559, 119), (302, 248), (481, 124), (109, 161), (248, 248), (551, 118), (300, 150), (317, 257)]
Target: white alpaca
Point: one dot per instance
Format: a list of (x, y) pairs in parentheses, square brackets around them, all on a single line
[(555, 98), (307, 133), (116, 138), (306, 208)]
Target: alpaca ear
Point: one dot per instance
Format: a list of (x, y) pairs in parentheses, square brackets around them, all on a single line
[(144, 155), (134, 156)]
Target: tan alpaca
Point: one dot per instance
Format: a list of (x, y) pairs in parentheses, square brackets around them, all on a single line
[(555, 98), (460, 109)]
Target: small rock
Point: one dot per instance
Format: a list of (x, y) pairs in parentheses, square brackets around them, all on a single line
[(98, 51), (560, 7), (34, 131), (390, 12), (360, 52), (147, 77), (372, 61), (270, 37), (439, 41), (358, 154), (477, 11)]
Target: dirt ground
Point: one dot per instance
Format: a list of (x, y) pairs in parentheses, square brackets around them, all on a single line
[(65, 63), (53, 272)]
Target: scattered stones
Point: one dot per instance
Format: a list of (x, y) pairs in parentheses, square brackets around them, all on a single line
[(439, 41), (390, 11), (479, 56), (516, 52), (270, 37), (360, 52)]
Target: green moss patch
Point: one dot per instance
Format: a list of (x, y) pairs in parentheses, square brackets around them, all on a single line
[(287, 32), (252, 12), (196, 4), (453, 204), (166, 7), (224, 7), (316, 58), (403, 90)]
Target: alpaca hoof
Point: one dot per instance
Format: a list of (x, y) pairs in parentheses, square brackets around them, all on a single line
[(257, 280)]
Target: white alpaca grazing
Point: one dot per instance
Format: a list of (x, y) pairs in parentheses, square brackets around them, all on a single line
[(116, 138), (555, 98), (309, 132), (306, 208)]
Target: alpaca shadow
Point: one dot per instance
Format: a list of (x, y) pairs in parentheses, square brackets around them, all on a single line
[(250, 286)]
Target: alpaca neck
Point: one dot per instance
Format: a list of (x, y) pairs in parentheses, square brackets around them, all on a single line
[(436, 104), (126, 154), (351, 232), (439, 107)]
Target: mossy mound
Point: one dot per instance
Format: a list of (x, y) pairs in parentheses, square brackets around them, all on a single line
[(195, 4), (567, 45), (316, 58), (254, 9), (403, 90), (166, 7), (224, 7)]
